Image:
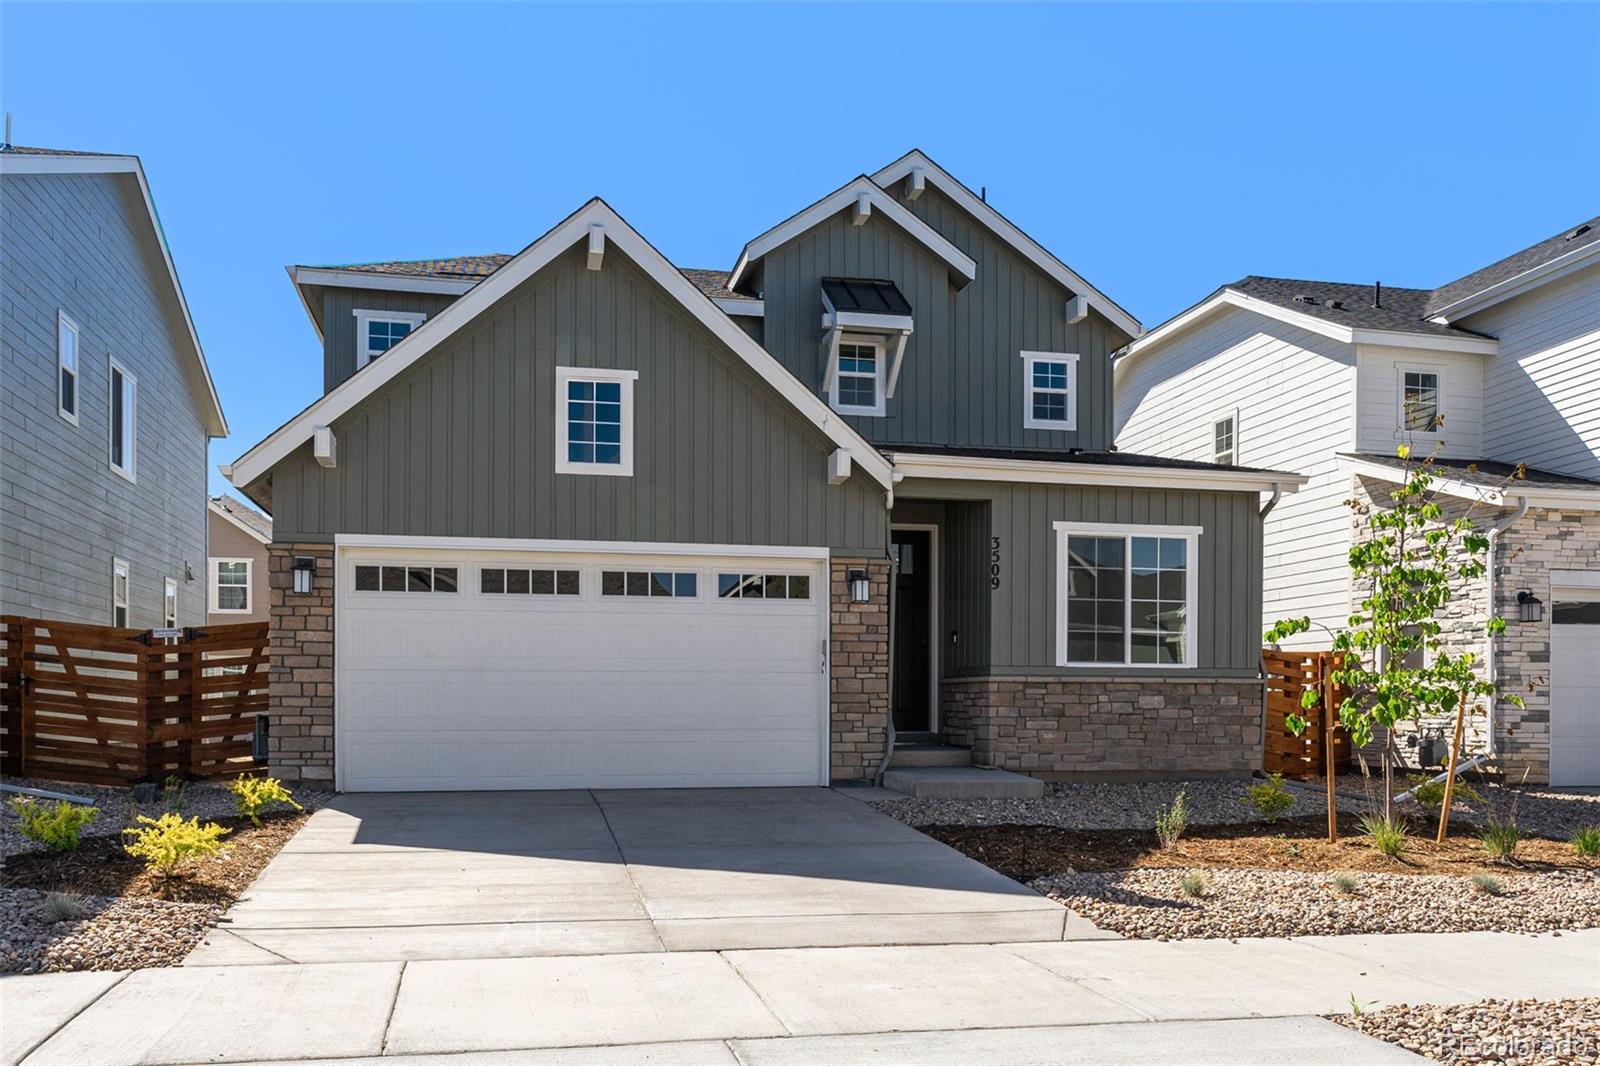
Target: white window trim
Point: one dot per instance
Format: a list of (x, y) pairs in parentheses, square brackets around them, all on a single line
[(130, 420), (879, 378), (1030, 358), (565, 374), (1233, 418), (64, 321), (366, 316), (1400, 372), (214, 575), (120, 568), (1191, 590), (169, 596)]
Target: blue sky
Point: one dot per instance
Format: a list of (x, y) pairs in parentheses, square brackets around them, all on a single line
[(1158, 150)]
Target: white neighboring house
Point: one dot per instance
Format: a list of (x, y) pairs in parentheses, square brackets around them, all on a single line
[(1499, 368)]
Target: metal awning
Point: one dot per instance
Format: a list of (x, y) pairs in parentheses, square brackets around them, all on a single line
[(864, 305)]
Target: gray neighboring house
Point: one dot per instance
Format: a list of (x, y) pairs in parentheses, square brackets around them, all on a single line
[(108, 405), (236, 568), (1495, 369), (577, 518)]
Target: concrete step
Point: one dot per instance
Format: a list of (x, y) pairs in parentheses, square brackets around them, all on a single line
[(962, 782), (907, 755)]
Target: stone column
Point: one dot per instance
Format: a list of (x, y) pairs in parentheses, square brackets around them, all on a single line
[(300, 740), (859, 670)]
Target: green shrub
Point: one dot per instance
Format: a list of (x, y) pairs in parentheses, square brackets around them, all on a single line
[(63, 907), (1586, 841), (166, 841), (1173, 820), (1430, 793), (1488, 884), (1194, 884), (1270, 798), (1345, 885), (254, 794), (1500, 837), (56, 824), (172, 793), (1388, 833)]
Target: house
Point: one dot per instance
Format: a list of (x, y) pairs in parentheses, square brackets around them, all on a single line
[(236, 568), (109, 406), (1495, 369), (576, 518)]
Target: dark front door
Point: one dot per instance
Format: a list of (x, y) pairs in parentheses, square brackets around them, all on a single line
[(912, 615)]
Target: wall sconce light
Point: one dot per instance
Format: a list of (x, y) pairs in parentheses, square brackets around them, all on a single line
[(305, 568), (188, 572), (860, 588), (1531, 607)]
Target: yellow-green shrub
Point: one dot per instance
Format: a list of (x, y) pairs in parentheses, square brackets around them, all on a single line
[(166, 841), (1270, 798), (56, 825), (254, 794)]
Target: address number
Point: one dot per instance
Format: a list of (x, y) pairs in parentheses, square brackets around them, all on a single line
[(994, 562)]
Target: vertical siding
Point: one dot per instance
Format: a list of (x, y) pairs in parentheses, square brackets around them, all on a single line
[(463, 443), (78, 243), (338, 308)]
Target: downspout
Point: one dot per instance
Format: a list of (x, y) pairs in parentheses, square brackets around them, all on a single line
[(1277, 494), (888, 547)]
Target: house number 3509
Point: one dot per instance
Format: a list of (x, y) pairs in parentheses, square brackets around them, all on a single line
[(994, 562)]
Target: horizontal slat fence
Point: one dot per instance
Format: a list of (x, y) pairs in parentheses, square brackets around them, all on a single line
[(1289, 673), (108, 706)]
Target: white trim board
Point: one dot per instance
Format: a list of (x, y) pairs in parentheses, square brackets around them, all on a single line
[(222, 512), (1543, 496), (587, 547), (915, 161), (853, 195), (275, 448), (1043, 472), (1529, 279)]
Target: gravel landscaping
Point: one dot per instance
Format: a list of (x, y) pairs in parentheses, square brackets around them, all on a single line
[(1558, 1032), (113, 934)]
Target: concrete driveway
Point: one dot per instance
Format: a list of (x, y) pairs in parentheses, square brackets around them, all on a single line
[(380, 877)]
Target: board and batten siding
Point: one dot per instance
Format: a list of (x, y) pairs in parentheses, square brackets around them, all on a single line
[(961, 383), (77, 243), (1293, 392), (463, 442), (1378, 378), (338, 308), (1541, 399), (1022, 608)]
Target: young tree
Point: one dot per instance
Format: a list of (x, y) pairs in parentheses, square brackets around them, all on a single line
[(1411, 564)]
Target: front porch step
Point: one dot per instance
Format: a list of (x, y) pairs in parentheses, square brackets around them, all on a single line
[(961, 782), (908, 755)]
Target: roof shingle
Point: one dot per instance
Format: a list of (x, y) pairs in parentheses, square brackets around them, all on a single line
[(1568, 240)]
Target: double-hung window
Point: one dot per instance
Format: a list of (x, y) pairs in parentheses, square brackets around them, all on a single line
[(858, 384), (66, 367), (124, 421), (594, 421), (1421, 400), (1050, 390), (378, 331), (119, 592), (1225, 440), (1125, 595), (230, 586)]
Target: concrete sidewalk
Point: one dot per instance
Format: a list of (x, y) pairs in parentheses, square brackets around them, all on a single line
[(1036, 1003)]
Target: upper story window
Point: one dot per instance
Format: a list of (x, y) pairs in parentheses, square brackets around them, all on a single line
[(124, 421), (230, 586), (378, 331), (858, 383), (66, 367), (594, 421), (1050, 390), (1225, 440), (169, 603), (119, 592), (1125, 596), (1421, 400)]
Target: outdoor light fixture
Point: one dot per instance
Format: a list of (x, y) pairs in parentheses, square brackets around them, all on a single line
[(860, 588), (305, 568), (1532, 607)]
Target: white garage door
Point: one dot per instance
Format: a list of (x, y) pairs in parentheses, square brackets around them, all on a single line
[(511, 670), (1575, 686)]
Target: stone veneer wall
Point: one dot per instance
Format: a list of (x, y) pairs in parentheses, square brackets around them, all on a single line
[(300, 739), (858, 687), (1062, 729)]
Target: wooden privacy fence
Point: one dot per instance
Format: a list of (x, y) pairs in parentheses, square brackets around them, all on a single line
[(1289, 673), (109, 706)]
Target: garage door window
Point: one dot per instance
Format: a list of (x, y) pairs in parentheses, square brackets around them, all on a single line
[(503, 581), (1575, 612), (764, 586), (654, 584), (406, 579)]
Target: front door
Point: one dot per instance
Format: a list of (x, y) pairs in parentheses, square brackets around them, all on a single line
[(913, 619)]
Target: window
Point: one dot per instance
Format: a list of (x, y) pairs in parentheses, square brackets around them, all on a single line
[(654, 584), (169, 603), (124, 420), (119, 592), (402, 578), (594, 421), (378, 331), (1421, 407), (1049, 390), (1125, 596), (524, 582), (763, 586), (858, 386), (1224, 441), (66, 367), (230, 586)]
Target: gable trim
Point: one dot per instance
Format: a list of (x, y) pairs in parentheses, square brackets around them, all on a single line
[(1526, 281), (914, 162), (260, 460), (222, 512), (863, 190)]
